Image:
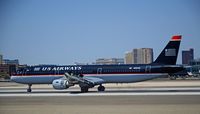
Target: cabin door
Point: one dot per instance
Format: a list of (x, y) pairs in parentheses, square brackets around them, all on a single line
[(24, 71), (148, 69), (56, 72)]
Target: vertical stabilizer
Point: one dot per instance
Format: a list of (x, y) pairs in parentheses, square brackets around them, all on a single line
[(169, 54)]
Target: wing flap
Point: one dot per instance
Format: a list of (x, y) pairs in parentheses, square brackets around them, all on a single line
[(95, 81), (86, 80)]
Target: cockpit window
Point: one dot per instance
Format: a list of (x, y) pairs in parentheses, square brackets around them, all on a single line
[(19, 72)]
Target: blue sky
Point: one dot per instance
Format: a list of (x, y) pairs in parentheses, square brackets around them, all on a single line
[(68, 31)]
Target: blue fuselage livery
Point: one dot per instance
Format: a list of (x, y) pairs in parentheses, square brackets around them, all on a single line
[(88, 76), (110, 73)]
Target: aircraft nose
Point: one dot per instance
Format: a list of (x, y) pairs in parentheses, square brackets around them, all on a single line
[(13, 78)]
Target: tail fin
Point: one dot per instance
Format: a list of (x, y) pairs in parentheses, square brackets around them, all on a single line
[(169, 54)]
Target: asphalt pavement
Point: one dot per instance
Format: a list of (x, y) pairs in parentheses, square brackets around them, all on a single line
[(151, 97)]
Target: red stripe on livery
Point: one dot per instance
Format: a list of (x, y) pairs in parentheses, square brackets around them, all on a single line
[(42, 75), (177, 37), (88, 74)]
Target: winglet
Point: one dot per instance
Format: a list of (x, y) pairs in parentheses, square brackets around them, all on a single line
[(177, 37)]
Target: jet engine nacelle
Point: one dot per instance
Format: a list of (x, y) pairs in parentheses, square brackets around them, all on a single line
[(61, 84)]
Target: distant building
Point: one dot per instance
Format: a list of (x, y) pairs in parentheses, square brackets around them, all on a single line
[(4, 69), (7, 67), (194, 62), (8, 61), (110, 61), (129, 58), (187, 55), (77, 63), (195, 66), (1, 59), (140, 56)]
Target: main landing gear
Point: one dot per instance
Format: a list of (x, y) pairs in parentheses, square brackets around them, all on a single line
[(101, 88), (84, 89), (29, 88)]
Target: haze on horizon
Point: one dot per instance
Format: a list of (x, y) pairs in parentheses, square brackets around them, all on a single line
[(64, 31)]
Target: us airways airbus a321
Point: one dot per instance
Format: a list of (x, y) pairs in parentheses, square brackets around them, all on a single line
[(88, 76)]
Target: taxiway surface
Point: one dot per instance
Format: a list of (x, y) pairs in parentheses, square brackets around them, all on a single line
[(156, 97)]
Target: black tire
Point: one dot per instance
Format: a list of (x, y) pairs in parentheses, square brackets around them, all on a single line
[(29, 90), (84, 89), (172, 77), (101, 88)]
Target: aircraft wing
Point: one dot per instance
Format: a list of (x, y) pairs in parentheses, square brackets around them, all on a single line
[(95, 81), (190, 73), (89, 80)]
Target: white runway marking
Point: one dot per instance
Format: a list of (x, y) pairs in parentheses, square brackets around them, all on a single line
[(145, 90), (109, 92), (97, 94)]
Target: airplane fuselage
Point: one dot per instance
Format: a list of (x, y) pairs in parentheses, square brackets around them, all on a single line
[(88, 76), (45, 74)]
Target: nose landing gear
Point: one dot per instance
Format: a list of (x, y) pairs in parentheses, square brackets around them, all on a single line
[(29, 88)]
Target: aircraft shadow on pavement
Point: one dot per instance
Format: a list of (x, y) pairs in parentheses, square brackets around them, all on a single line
[(137, 91), (108, 91)]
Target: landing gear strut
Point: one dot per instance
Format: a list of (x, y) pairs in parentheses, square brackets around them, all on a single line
[(101, 88), (172, 77), (29, 88)]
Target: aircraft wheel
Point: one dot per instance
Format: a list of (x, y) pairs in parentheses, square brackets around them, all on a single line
[(29, 90), (173, 78), (84, 89), (101, 88)]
